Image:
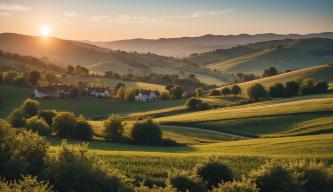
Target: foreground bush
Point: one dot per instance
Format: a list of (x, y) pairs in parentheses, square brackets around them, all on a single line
[(213, 173), (74, 170), (154, 189), (236, 186), (113, 128), (26, 184), (16, 118), (146, 132), (274, 177), (83, 130), (47, 115), (30, 107), (183, 183), (38, 125), (64, 123)]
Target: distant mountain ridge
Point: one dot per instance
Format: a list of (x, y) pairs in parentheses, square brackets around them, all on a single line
[(184, 46)]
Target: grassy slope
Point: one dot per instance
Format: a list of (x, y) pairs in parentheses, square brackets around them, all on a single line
[(322, 72)]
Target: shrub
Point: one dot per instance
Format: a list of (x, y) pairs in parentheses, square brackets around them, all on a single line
[(74, 93), (64, 123), (176, 92), (277, 91), (257, 92), (30, 107), (193, 103), (214, 92), (146, 132), (183, 183), (130, 94), (83, 130), (143, 188), (314, 176), (308, 87), (47, 115), (16, 118), (38, 125), (235, 90), (270, 72), (113, 128), (273, 177), (226, 91), (34, 77), (74, 170), (26, 184), (236, 186), (292, 88), (199, 92), (213, 172), (164, 95), (321, 87)]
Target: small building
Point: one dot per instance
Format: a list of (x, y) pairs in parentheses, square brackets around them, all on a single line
[(146, 96), (52, 91), (98, 92)]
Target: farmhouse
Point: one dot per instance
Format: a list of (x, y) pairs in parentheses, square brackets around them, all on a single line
[(52, 91), (146, 96), (98, 91)]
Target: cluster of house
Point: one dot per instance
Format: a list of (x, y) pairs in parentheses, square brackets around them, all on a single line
[(61, 91)]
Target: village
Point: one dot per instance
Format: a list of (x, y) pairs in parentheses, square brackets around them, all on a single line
[(57, 91)]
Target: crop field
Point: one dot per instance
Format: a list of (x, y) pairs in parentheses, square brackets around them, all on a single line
[(153, 163)]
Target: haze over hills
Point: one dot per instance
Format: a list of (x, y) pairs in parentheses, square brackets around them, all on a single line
[(184, 46)]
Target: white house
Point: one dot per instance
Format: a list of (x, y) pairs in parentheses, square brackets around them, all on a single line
[(98, 92), (146, 96), (52, 91)]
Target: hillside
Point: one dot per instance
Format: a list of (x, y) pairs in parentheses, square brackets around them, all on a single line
[(317, 73), (184, 46), (97, 59), (255, 58)]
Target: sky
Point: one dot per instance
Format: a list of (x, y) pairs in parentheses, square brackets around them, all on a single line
[(107, 20)]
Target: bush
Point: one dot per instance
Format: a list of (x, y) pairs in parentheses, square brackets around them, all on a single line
[(30, 107), (257, 92), (130, 94), (321, 87), (113, 128), (270, 72), (64, 123), (143, 188), (308, 87), (277, 91), (176, 92), (47, 115), (226, 91), (273, 177), (183, 183), (292, 88), (83, 130), (146, 132), (34, 77), (237, 186), (26, 184), (38, 125), (74, 170), (199, 92), (193, 103), (164, 95), (314, 176), (16, 118), (235, 90), (213, 172)]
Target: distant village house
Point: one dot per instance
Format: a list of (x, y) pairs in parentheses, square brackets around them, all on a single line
[(146, 96)]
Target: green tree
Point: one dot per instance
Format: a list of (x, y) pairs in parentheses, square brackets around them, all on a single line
[(75, 92), (113, 128), (64, 123), (292, 88), (10, 77), (225, 91), (321, 87), (270, 72), (130, 94), (199, 92), (277, 90), (16, 118), (47, 115), (34, 77), (176, 92), (146, 132), (193, 103), (235, 90), (38, 125), (164, 95), (257, 92), (184, 183), (30, 107), (83, 130)]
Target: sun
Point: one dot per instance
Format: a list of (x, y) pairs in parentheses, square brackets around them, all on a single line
[(45, 30)]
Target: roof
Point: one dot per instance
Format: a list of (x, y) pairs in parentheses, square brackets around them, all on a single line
[(49, 89)]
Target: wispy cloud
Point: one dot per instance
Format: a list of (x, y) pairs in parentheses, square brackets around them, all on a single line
[(71, 14), (122, 18), (197, 14), (4, 14), (97, 18), (13, 7)]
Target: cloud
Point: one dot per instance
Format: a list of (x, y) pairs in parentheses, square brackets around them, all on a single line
[(98, 18), (122, 18), (4, 14), (13, 7), (71, 14), (197, 14)]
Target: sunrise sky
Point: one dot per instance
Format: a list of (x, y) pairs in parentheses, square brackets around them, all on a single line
[(106, 20)]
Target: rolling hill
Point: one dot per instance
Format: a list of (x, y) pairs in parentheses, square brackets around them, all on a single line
[(184, 46), (97, 59), (255, 58)]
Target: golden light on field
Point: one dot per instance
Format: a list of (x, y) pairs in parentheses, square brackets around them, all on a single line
[(45, 30)]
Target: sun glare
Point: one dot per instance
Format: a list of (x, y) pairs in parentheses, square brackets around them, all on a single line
[(45, 30)]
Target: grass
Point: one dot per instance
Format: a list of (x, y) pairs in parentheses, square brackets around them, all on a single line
[(153, 163)]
